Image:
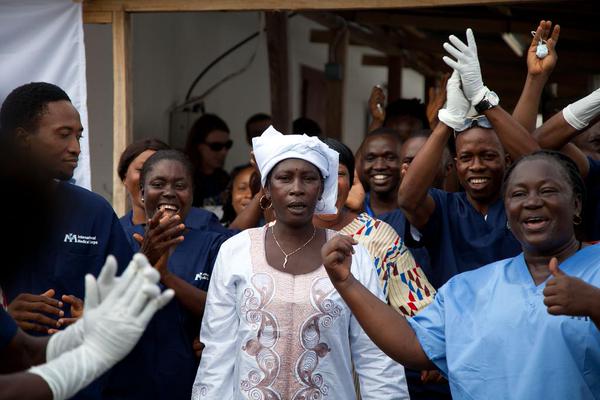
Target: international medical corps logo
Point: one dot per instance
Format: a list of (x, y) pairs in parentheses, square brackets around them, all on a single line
[(80, 239)]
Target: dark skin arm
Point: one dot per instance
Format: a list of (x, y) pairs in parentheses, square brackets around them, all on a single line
[(514, 137), (538, 72), (163, 234), (555, 134), (23, 352), (413, 198), (396, 338)]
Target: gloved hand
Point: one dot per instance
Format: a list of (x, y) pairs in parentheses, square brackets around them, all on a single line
[(111, 326), (457, 105), (580, 113), (72, 336), (467, 64)]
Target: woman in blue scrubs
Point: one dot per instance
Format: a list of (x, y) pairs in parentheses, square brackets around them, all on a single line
[(184, 253), (526, 327)]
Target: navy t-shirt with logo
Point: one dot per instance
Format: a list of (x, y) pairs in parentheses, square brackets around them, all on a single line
[(85, 231), (459, 238), (163, 364)]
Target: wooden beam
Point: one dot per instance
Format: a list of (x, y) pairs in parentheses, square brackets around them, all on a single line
[(370, 60), (335, 78), (272, 5), (122, 101), (451, 23), (277, 47), (97, 17)]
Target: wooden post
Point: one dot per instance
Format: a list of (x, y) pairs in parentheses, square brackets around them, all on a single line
[(394, 78), (122, 108), (335, 75), (277, 47)]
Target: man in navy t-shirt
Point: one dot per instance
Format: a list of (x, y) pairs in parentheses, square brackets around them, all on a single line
[(84, 229)]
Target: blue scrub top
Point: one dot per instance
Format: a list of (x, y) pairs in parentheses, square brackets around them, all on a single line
[(591, 214), (163, 364), (85, 231), (8, 329), (490, 333), (458, 238)]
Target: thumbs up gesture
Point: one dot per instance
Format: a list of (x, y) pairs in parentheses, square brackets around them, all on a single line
[(567, 295)]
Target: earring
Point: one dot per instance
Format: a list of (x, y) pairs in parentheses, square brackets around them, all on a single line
[(260, 202), (507, 225), (577, 220), (142, 199)]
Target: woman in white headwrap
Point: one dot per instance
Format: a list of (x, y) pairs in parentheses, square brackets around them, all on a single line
[(274, 327)]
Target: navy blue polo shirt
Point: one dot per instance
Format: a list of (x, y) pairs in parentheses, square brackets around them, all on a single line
[(397, 220), (459, 238), (8, 329), (84, 232), (199, 218), (591, 213), (163, 364)]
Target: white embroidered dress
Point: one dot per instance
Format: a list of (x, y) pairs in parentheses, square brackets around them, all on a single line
[(272, 335)]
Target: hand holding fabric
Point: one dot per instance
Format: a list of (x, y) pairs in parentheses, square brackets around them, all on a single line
[(467, 64), (537, 66), (457, 105)]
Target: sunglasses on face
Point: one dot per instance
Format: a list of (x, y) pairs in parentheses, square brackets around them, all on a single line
[(218, 146), (472, 122)]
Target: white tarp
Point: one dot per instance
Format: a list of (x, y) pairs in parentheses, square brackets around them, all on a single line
[(42, 40)]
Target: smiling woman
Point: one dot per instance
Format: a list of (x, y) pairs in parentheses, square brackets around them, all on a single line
[(515, 320), (271, 309), (181, 246)]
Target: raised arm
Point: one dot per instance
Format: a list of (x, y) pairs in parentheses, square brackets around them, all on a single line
[(513, 136), (558, 131), (538, 72), (413, 197), (386, 328)]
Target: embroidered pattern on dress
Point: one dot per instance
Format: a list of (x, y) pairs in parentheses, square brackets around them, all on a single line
[(259, 381), (310, 337)]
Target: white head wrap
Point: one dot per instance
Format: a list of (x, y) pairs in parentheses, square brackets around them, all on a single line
[(272, 147)]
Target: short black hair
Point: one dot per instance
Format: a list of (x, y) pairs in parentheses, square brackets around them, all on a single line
[(566, 165), (135, 149), (200, 130), (255, 118), (24, 106), (307, 126), (346, 156), (171, 155), (407, 107), (384, 131)]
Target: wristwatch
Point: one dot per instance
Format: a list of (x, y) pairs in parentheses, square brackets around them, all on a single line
[(490, 100)]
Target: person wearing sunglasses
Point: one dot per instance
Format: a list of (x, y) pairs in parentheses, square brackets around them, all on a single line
[(207, 146)]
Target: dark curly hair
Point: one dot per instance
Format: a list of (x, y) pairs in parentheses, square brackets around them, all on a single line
[(24, 106)]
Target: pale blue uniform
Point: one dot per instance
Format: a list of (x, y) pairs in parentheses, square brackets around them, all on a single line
[(489, 332)]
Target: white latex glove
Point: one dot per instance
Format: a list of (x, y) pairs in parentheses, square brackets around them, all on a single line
[(112, 328), (467, 64), (457, 105), (73, 335), (580, 113)]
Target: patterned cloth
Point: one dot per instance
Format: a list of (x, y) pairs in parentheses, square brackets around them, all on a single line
[(274, 335), (404, 284)]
